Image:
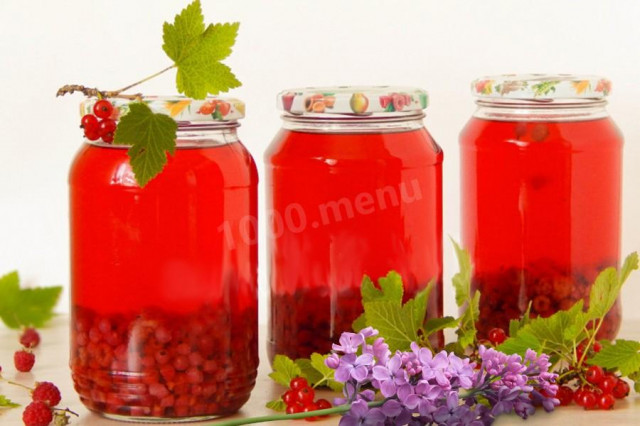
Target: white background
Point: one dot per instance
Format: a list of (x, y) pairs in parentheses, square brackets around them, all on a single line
[(438, 45)]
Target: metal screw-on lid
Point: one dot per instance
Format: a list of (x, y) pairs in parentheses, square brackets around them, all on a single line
[(352, 100), (541, 86), (179, 108)]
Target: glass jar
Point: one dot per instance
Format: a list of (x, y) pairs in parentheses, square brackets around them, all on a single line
[(541, 188), (164, 277), (353, 189)]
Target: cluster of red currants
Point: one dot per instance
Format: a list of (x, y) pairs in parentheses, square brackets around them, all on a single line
[(597, 388), (102, 123), (300, 399)]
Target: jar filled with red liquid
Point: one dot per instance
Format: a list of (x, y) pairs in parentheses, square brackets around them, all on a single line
[(164, 277), (541, 188), (353, 189)]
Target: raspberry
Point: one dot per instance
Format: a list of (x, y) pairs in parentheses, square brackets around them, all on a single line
[(24, 360), (30, 338), (37, 414), (46, 392)]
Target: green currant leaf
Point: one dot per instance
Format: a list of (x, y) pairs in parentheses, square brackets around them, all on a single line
[(29, 307), (197, 51), (462, 280), (276, 405), (284, 369), (151, 136), (7, 403), (466, 331), (516, 324), (317, 373), (384, 311), (434, 325), (556, 334), (606, 289), (623, 355)]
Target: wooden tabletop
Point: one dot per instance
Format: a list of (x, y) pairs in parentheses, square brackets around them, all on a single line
[(52, 365)]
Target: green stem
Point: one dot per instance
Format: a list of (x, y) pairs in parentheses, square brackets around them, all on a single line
[(144, 79), (335, 410)]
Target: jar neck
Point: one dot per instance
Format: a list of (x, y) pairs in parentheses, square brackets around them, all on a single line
[(541, 110), (196, 134), (342, 123)]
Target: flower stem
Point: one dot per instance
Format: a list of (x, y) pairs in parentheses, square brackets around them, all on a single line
[(274, 417)]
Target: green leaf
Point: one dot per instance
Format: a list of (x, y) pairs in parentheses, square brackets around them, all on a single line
[(151, 136), (6, 402), (312, 375), (516, 324), (396, 323), (197, 51), (556, 334), (276, 405), (462, 280), (518, 345), (606, 289), (29, 307), (434, 325), (467, 329), (389, 288), (284, 369), (623, 355), (318, 363)]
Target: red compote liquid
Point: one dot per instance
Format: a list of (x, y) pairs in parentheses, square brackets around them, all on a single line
[(347, 202), (540, 208), (164, 298)]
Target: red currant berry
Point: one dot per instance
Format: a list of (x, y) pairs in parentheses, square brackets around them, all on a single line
[(305, 395), (580, 351), (293, 409), (497, 336), (588, 400), (594, 374), (24, 360), (311, 406), (92, 135), (290, 397), (30, 338), (564, 395), (106, 126), (621, 390), (298, 383), (597, 346), (323, 404), (89, 122), (608, 383), (103, 108), (606, 401)]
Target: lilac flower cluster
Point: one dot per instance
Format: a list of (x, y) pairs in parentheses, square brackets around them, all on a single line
[(422, 388)]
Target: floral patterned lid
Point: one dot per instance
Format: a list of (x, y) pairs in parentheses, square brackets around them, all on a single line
[(541, 86), (352, 100), (179, 108)]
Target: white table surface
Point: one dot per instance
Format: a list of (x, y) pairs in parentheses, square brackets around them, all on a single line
[(52, 365)]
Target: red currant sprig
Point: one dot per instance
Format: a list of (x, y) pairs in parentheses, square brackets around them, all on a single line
[(300, 399), (100, 124)]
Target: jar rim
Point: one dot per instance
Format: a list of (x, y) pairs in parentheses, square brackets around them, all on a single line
[(212, 109), (541, 87), (318, 102)]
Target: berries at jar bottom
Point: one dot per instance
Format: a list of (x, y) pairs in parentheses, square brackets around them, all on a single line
[(157, 363), (506, 294), (311, 320)]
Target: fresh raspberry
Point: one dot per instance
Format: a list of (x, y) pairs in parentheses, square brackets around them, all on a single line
[(30, 338), (24, 360), (37, 414), (46, 392)]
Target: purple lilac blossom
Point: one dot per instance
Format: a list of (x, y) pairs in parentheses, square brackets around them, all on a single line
[(420, 388)]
